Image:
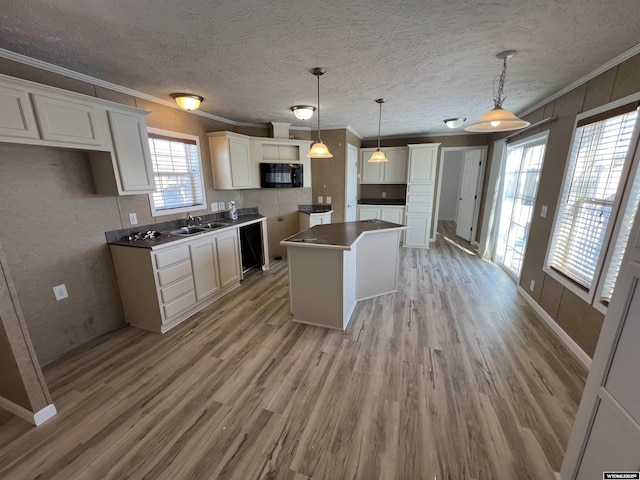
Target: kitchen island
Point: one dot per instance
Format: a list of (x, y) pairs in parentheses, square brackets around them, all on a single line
[(332, 267)]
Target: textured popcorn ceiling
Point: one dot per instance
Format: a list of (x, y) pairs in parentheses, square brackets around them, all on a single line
[(431, 59)]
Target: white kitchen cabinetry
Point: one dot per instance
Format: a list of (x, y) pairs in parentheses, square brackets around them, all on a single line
[(16, 114), (230, 161), (114, 135), (393, 171), (420, 194), (161, 288), (308, 220), (388, 213), (279, 150)]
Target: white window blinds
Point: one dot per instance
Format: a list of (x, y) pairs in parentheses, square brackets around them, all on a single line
[(177, 170), (596, 163)]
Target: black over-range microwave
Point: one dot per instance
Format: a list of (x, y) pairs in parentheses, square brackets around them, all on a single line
[(281, 175)]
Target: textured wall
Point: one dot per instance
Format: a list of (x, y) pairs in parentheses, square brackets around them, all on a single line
[(56, 222), (579, 319), (329, 173)]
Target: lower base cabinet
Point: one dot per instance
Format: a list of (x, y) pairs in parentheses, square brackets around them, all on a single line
[(419, 231), (306, 220), (161, 288)]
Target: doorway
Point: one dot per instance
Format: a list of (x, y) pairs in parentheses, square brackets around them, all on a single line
[(521, 168), (459, 189)]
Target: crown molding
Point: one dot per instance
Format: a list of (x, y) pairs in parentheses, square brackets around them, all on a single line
[(635, 50), (32, 62)]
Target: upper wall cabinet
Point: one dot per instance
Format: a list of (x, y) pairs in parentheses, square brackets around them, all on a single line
[(393, 171), (114, 134), (230, 161)]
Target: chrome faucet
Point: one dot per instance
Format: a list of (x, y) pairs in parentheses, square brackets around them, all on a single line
[(189, 219)]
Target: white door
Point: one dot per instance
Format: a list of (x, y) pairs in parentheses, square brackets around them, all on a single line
[(606, 432), (351, 184), (468, 194)]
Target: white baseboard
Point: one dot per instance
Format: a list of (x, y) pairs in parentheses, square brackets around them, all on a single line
[(557, 329), (37, 418)]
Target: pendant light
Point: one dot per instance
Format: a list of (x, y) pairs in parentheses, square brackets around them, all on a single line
[(499, 119), (378, 155), (319, 149)]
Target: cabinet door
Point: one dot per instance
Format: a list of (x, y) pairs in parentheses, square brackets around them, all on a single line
[(422, 164), (16, 117), (240, 163), (68, 121), (395, 170), (419, 231), (393, 215), (368, 213), (228, 256), (370, 172), (131, 147), (205, 274)]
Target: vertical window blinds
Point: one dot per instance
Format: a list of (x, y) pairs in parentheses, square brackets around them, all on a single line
[(596, 163), (177, 171)]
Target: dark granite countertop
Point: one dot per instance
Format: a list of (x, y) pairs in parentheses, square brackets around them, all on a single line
[(165, 238), (315, 208), (338, 235), (382, 201)]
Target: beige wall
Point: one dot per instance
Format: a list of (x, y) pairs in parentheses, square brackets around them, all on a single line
[(579, 319), (55, 222)]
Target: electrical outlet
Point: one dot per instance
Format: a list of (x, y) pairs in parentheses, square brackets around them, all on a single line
[(543, 211), (328, 199), (133, 219), (220, 206), (319, 198), (60, 291), (214, 206), (384, 194), (532, 285)]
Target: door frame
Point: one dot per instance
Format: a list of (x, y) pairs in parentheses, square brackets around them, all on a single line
[(476, 210)]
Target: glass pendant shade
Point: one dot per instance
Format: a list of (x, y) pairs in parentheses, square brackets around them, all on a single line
[(497, 120), (319, 150), (378, 157), (187, 100)]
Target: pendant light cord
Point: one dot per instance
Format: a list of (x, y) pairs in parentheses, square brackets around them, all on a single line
[(318, 77), (498, 100), (379, 122)]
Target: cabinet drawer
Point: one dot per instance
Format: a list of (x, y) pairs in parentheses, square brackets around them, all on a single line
[(172, 256), (179, 305), (420, 188), (422, 208), (179, 288), (171, 274), (422, 199)]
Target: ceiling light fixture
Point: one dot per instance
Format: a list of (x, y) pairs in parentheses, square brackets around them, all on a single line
[(378, 155), (303, 112), (319, 149), (455, 122), (187, 101), (499, 119)]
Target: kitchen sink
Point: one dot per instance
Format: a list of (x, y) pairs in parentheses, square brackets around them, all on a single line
[(186, 231), (212, 226)]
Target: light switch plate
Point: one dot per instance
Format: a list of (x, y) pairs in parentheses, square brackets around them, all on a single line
[(543, 211), (384, 194), (319, 198), (60, 292), (532, 285), (328, 199), (214, 206), (220, 206), (133, 219)]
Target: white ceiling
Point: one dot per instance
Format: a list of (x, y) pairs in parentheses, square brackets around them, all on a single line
[(250, 59)]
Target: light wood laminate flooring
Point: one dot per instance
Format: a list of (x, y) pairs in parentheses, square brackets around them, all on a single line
[(452, 377)]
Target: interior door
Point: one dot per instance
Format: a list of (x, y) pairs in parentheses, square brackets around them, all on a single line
[(468, 193), (351, 184)]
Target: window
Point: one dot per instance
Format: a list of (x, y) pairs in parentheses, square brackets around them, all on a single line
[(178, 173), (594, 185), (519, 186)]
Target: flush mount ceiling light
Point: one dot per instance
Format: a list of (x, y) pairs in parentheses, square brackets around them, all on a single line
[(455, 122), (499, 119), (378, 155), (319, 149), (303, 112), (187, 101)]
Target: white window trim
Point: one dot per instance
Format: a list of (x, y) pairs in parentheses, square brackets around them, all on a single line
[(189, 209), (609, 239)]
